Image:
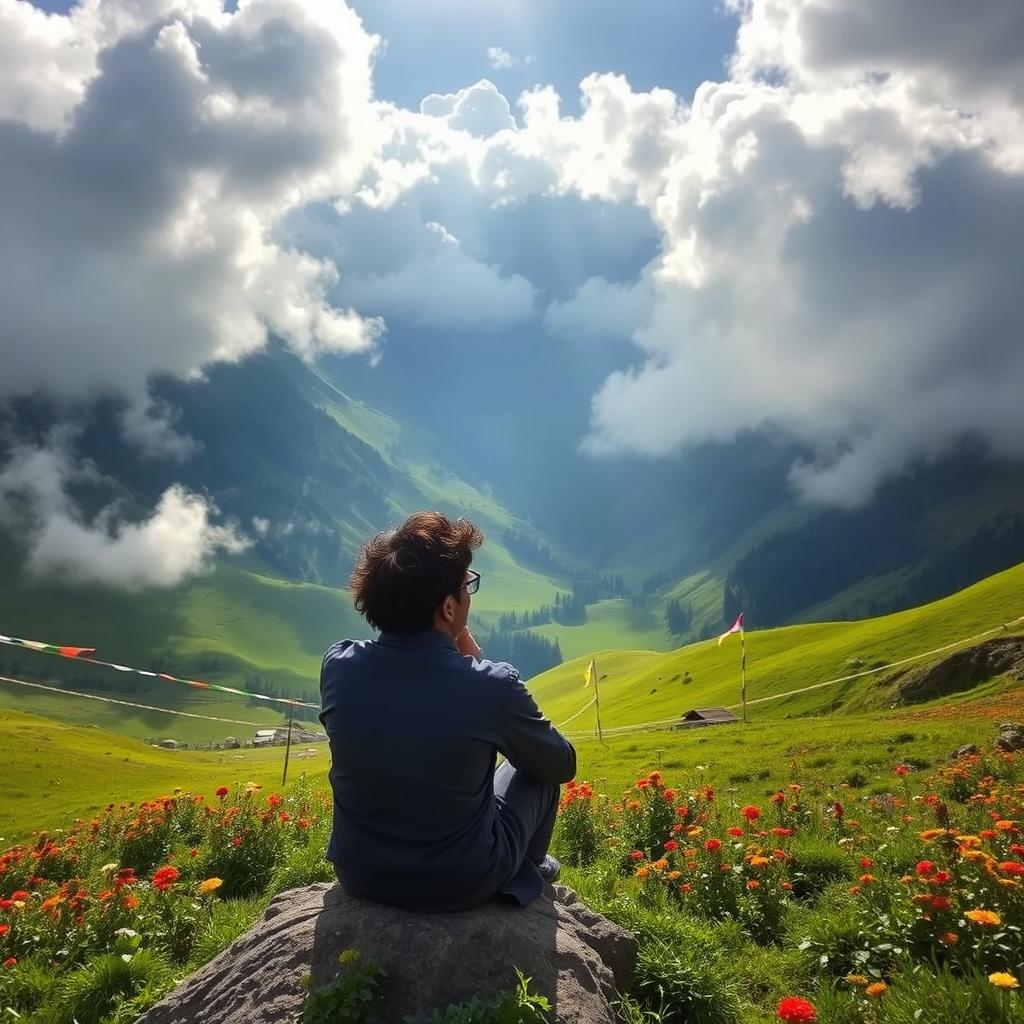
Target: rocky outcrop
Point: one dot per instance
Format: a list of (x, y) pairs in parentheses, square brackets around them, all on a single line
[(963, 670), (575, 957), (1010, 737)]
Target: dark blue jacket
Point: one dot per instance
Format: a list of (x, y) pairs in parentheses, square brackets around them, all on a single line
[(414, 729)]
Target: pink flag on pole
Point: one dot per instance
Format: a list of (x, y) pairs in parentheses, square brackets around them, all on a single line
[(736, 627)]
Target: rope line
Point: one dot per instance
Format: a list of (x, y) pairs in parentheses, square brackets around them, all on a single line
[(131, 704), (81, 654), (621, 729), (578, 713)]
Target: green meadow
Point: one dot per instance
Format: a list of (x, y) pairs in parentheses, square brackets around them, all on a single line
[(639, 686), (55, 772)]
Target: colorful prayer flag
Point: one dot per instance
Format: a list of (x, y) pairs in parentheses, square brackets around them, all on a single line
[(736, 627)]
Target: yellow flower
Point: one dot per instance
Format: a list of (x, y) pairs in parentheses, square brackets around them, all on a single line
[(932, 833), (348, 956), (1003, 980), (879, 988), (855, 979), (968, 841), (660, 864), (758, 862), (695, 831), (986, 917), (673, 875), (210, 885)]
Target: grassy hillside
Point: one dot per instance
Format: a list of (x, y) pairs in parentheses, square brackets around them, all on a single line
[(54, 773), (642, 687)]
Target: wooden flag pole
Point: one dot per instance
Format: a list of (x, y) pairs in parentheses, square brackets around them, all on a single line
[(743, 673), (597, 705), (288, 744)]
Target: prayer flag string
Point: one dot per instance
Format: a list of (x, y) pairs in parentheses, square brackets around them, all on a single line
[(81, 654)]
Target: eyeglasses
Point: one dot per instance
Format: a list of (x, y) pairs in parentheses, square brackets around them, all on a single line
[(472, 584)]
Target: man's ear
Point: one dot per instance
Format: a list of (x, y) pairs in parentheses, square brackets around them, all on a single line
[(448, 609)]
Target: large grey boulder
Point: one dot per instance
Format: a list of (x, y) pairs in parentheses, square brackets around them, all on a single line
[(1010, 737), (576, 958)]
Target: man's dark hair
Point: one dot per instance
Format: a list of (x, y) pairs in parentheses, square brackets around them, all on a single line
[(402, 575)]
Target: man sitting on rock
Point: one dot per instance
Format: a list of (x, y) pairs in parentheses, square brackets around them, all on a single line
[(415, 720)]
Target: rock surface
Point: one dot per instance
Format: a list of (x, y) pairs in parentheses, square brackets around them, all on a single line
[(576, 958), (1010, 737), (963, 670)]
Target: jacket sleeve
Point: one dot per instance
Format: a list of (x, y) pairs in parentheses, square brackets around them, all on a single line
[(530, 742)]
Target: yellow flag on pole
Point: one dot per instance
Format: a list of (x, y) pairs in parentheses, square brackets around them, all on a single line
[(591, 674)]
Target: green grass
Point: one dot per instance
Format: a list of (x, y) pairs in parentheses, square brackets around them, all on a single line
[(642, 687), (54, 773)]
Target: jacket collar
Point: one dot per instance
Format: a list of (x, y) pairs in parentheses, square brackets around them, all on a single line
[(424, 639)]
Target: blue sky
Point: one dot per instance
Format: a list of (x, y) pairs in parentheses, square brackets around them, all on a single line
[(442, 46)]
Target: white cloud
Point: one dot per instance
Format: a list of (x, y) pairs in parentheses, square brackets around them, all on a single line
[(601, 310), (501, 59), (149, 150), (446, 288), (175, 542), (480, 109)]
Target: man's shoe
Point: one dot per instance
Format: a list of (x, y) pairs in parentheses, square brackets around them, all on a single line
[(549, 869)]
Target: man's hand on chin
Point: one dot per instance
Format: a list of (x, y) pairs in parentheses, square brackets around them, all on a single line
[(467, 644)]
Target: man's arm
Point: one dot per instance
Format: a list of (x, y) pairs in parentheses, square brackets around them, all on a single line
[(530, 742)]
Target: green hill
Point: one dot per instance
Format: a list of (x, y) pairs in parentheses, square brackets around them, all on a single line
[(639, 687)]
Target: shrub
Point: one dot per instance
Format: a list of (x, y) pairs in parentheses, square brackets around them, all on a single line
[(816, 864), (684, 985), (351, 997)]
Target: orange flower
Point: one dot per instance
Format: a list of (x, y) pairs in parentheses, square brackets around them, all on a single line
[(210, 885), (931, 833), (753, 883), (758, 862), (989, 918), (949, 938), (660, 864), (642, 872), (878, 988)]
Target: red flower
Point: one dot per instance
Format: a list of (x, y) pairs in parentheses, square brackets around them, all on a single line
[(941, 903), (713, 845), (165, 877), (751, 813), (222, 791), (940, 878), (686, 887), (275, 798), (19, 894), (655, 778), (902, 770), (642, 783), (637, 855), (673, 845), (1012, 867), (795, 1010), (925, 868), (10, 961), (669, 794), (302, 823), (4, 929), (735, 831), (777, 798), (781, 830)]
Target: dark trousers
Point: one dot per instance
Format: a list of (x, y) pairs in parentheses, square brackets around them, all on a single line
[(527, 810)]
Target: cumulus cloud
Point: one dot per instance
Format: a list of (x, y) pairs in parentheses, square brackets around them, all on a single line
[(175, 542), (149, 150), (480, 109)]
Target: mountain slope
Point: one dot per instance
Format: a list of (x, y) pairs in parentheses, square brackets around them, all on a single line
[(639, 687)]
